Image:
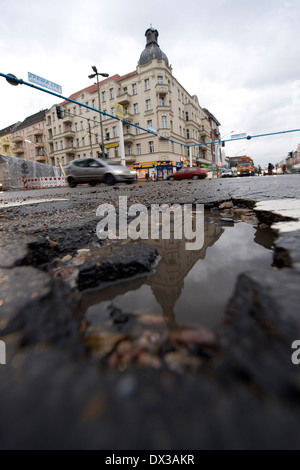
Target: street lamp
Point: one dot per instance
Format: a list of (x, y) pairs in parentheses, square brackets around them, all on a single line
[(106, 75)]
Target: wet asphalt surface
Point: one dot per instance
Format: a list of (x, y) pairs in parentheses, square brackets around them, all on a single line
[(129, 384)]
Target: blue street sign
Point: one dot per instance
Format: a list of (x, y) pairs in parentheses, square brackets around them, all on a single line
[(42, 82)]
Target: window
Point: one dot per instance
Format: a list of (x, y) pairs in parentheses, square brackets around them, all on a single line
[(87, 104), (125, 90), (59, 129), (149, 124), (111, 93), (83, 141), (138, 149), (136, 108), (164, 122), (74, 110), (148, 105), (77, 143), (147, 84), (81, 125), (103, 96), (151, 147), (137, 130), (95, 121), (134, 89), (187, 133), (113, 111), (161, 101), (186, 116), (129, 150), (160, 80), (126, 109), (80, 109), (115, 132), (76, 126), (96, 138), (128, 129), (93, 103)]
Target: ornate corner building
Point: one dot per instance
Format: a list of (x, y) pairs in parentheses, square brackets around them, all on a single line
[(152, 98)]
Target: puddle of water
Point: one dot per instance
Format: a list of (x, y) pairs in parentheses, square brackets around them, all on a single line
[(31, 202), (189, 288)]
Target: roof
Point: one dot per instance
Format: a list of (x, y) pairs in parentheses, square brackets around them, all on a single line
[(93, 88), (152, 49), (9, 129), (31, 120), (211, 116)]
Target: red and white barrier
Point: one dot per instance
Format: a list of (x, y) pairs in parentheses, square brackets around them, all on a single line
[(42, 183)]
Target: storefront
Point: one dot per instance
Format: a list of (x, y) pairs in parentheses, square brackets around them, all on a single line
[(156, 170), (212, 168)]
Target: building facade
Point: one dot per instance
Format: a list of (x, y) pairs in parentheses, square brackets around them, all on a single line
[(29, 139), (152, 99), (6, 145)]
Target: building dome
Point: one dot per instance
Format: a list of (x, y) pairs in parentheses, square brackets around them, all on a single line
[(152, 50)]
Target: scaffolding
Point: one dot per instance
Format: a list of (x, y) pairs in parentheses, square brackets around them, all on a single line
[(13, 172)]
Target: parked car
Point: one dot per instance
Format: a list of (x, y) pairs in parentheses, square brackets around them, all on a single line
[(296, 168), (188, 174), (227, 173), (94, 170)]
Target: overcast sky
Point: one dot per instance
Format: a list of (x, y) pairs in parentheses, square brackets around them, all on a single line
[(240, 58)]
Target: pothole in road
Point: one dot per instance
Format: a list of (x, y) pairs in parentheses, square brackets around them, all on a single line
[(170, 313)]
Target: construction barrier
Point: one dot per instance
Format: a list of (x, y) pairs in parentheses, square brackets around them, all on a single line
[(42, 183)]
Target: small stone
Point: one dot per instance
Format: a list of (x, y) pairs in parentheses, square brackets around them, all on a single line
[(226, 205)]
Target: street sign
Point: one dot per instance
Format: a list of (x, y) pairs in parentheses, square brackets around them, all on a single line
[(152, 129), (111, 146), (239, 136), (119, 111), (44, 83)]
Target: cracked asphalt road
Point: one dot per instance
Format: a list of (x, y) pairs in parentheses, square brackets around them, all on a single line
[(185, 390)]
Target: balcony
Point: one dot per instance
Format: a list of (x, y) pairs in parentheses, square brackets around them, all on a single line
[(68, 119), (18, 150), (128, 116), (164, 108), (70, 151), (37, 132), (131, 159), (124, 99), (164, 133), (17, 139), (41, 159), (129, 137), (162, 89)]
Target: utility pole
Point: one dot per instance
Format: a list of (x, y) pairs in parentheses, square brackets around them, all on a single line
[(91, 143), (96, 74)]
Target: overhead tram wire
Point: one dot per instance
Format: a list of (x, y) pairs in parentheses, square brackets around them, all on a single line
[(16, 81)]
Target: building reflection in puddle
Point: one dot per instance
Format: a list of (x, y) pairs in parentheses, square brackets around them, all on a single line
[(189, 288)]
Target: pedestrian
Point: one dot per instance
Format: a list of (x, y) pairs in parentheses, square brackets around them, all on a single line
[(259, 169), (147, 176), (270, 169), (284, 169)]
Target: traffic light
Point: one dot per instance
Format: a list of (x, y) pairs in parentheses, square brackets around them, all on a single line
[(59, 112)]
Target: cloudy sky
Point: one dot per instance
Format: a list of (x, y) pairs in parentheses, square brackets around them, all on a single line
[(240, 58)]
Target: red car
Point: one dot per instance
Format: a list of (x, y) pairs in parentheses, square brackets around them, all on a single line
[(188, 174)]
